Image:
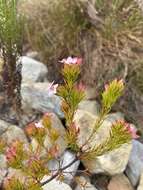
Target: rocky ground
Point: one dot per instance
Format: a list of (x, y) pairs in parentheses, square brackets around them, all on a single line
[(121, 169)]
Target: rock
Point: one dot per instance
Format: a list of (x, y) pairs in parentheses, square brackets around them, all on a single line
[(140, 187), (86, 121), (65, 159), (4, 126), (33, 55), (86, 182), (55, 185), (90, 106), (32, 70), (100, 181), (90, 93), (3, 173), (3, 162), (120, 182), (135, 164), (110, 163), (62, 145), (3, 167), (13, 132), (35, 97)]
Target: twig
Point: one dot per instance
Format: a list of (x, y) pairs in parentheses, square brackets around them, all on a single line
[(59, 171)]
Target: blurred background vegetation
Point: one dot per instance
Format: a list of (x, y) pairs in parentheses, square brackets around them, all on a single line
[(107, 34)]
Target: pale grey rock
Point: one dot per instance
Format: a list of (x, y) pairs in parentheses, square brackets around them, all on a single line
[(32, 70), (135, 164), (3, 167), (3, 162), (62, 145), (110, 163), (90, 106), (140, 186), (33, 55), (12, 133), (55, 185), (90, 93), (66, 159), (4, 126), (86, 122), (86, 182), (35, 97), (3, 173)]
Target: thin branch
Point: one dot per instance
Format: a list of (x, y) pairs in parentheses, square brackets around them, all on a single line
[(59, 171)]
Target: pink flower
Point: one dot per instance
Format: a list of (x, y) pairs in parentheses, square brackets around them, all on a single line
[(81, 87), (119, 82), (72, 61), (52, 89), (75, 128), (39, 125), (11, 153), (132, 130)]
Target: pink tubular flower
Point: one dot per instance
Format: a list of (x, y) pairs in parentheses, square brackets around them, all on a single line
[(39, 125), (75, 128), (81, 87), (116, 81), (11, 153), (52, 89), (132, 130), (72, 61)]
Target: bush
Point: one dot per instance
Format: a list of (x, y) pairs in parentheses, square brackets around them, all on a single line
[(33, 164)]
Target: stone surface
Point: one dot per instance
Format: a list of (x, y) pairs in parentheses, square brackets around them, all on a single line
[(86, 121), (3, 162), (55, 185), (110, 163), (32, 70), (135, 164), (35, 97), (62, 145), (90, 106), (66, 158), (33, 54), (140, 187), (86, 183), (12, 132), (120, 182), (4, 126)]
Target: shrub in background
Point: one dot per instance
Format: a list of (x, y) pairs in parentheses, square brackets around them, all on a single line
[(11, 39)]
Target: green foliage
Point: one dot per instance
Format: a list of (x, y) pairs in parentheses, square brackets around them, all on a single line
[(11, 27), (119, 135), (14, 184), (11, 39), (112, 92)]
